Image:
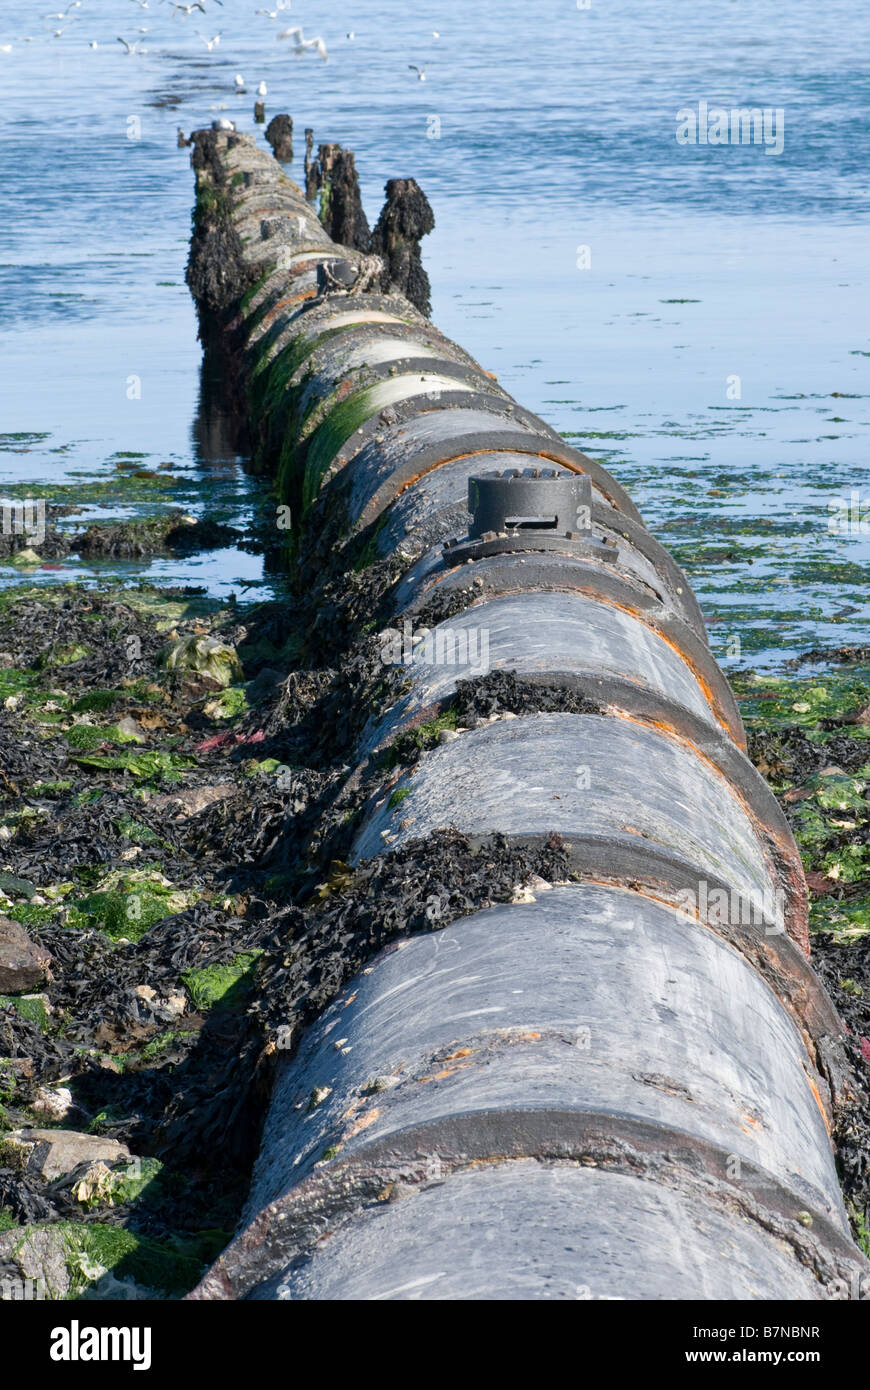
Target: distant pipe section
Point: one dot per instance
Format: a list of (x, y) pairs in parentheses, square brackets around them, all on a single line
[(619, 1086)]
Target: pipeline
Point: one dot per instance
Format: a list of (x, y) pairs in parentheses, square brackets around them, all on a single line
[(618, 1085)]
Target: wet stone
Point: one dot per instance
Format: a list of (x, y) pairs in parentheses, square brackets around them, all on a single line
[(55, 1152), (23, 963)]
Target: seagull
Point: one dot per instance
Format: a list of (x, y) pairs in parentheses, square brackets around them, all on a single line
[(262, 90), (222, 124), (187, 10), (143, 4), (210, 43), (5, 48), (272, 14), (240, 82), (351, 35), (135, 47), (421, 72), (302, 44)]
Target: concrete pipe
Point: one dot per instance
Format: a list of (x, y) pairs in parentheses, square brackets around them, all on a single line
[(619, 1086)]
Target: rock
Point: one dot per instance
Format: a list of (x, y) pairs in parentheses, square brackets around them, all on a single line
[(56, 1104), (23, 963), (207, 656), (41, 1260), (25, 558), (166, 1010), (191, 800), (15, 887), (820, 884), (279, 133), (55, 1152)]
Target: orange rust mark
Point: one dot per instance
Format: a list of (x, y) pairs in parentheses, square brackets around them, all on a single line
[(815, 1090), (271, 314), (735, 734), (362, 1123), (451, 1056), (797, 928), (440, 1075), (349, 1000)]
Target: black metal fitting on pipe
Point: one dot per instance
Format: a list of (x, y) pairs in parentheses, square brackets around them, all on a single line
[(624, 1082)]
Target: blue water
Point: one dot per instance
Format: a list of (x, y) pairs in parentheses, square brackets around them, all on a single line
[(538, 130)]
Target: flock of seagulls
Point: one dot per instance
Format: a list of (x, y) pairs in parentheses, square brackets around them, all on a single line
[(185, 9)]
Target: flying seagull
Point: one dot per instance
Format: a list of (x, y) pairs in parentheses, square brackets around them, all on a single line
[(135, 47), (421, 72), (303, 44), (210, 43), (187, 10)]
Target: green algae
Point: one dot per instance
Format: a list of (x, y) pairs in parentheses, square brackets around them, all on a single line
[(166, 1268), (97, 701), (846, 920), (31, 914), (409, 745), (126, 905), (86, 737), (230, 704), (222, 986), (136, 831), (266, 767), (153, 766), (32, 1007), (14, 682), (775, 701)]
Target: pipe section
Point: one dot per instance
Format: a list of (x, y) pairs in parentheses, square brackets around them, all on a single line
[(621, 1086)]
